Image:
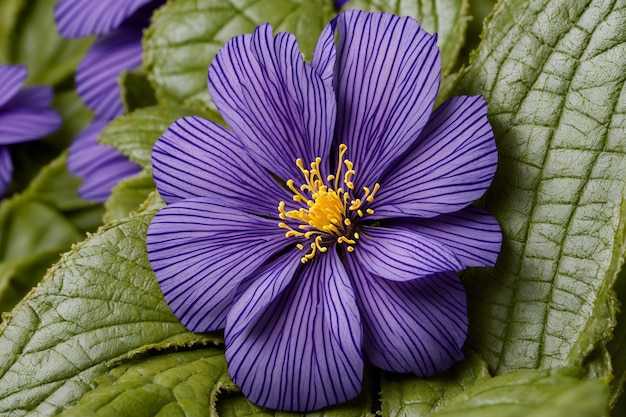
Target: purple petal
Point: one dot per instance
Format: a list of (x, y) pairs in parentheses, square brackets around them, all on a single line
[(275, 103), (96, 76), (340, 3), (12, 77), (38, 96), (304, 351), (100, 167), (472, 234), (387, 80), (415, 326), (400, 254), (451, 166), (325, 53), (79, 18), (6, 169), (198, 158), (200, 250), (27, 123)]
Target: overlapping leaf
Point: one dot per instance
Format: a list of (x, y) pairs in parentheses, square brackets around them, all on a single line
[(128, 195), (99, 304), (186, 35), (134, 134), (553, 73)]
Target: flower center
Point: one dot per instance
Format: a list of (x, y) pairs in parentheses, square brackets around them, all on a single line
[(329, 213)]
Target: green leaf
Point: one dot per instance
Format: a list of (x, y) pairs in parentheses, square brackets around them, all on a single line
[(134, 134), (37, 225), (128, 195), (9, 11), (99, 304), (553, 74), (448, 18), (57, 187), (29, 227), (409, 395), (136, 90), (185, 36), (617, 345), (32, 235), (182, 384), (530, 393), (37, 43), (19, 276), (238, 406), (479, 10)]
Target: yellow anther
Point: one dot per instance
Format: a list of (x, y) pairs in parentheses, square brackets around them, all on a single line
[(329, 209), (370, 197)]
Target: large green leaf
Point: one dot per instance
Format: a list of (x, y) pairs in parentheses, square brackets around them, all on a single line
[(185, 384), (99, 304), (186, 34), (134, 134), (466, 390), (553, 74), (404, 395), (530, 393), (182, 384), (448, 18)]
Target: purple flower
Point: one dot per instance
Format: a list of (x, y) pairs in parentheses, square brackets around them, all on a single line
[(25, 115), (119, 24), (326, 227)]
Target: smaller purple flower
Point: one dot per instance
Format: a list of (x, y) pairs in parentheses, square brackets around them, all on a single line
[(25, 115), (326, 226), (119, 25), (96, 186)]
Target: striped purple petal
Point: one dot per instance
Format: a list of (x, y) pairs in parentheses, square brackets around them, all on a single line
[(303, 352), (6, 169), (400, 254), (198, 158), (12, 77), (100, 167), (325, 53), (386, 82), (200, 250), (38, 96), (79, 18), (96, 76), (21, 124), (275, 103), (452, 164), (472, 234), (414, 326)]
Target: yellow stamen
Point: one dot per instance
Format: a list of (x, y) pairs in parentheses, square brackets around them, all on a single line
[(329, 212)]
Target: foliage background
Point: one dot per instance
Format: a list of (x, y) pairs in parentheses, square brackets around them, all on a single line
[(546, 336)]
